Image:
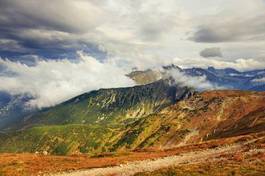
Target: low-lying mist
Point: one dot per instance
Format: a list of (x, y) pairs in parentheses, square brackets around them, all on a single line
[(53, 81)]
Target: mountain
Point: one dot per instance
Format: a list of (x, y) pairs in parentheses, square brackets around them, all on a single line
[(205, 116), (227, 78), (93, 107), (150, 115), (145, 77), (112, 105), (149, 76), (201, 117), (86, 122), (231, 78), (13, 108)]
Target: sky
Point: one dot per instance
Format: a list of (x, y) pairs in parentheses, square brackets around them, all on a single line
[(58, 45)]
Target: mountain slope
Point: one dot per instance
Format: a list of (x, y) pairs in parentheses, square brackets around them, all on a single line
[(107, 106), (204, 116), (91, 122)]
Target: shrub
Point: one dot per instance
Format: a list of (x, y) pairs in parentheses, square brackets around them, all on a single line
[(61, 149)]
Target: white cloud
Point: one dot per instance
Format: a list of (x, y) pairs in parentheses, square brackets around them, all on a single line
[(137, 31), (240, 64), (54, 81), (198, 82), (259, 80)]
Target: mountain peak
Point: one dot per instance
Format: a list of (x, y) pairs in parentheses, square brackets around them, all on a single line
[(172, 66)]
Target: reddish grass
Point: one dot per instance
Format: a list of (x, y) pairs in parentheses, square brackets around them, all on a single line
[(37, 164)]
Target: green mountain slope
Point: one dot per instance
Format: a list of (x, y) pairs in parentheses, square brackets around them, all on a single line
[(91, 122), (112, 106)]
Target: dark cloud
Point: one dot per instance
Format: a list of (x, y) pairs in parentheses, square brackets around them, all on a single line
[(211, 52), (45, 29), (58, 15), (208, 35), (134, 31)]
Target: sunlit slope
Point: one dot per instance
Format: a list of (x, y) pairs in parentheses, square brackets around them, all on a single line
[(205, 116)]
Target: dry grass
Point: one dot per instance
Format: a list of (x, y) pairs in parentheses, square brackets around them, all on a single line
[(37, 164)]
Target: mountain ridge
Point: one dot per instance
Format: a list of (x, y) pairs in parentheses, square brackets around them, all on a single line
[(228, 78)]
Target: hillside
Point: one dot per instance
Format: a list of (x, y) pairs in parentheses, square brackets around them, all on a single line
[(90, 122), (234, 156), (202, 117), (205, 116), (112, 106)]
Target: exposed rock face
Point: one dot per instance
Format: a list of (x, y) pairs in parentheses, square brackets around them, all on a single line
[(145, 77)]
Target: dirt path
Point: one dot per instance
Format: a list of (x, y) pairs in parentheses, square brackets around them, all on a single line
[(132, 168)]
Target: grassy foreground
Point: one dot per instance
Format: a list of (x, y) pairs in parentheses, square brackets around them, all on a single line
[(248, 160)]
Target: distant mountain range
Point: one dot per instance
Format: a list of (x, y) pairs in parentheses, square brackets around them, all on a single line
[(227, 78), (13, 108)]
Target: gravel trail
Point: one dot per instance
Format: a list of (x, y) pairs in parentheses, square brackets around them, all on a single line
[(131, 168)]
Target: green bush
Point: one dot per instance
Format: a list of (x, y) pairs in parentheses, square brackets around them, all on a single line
[(61, 149)]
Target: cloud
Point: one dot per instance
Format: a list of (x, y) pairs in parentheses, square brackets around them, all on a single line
[(121, 28), (211, 52), (67, 16), (231, 31), (55, 28), (259, 80), (53, 81), (229, 25), (198, 82), (132, 30), (239, 64)]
